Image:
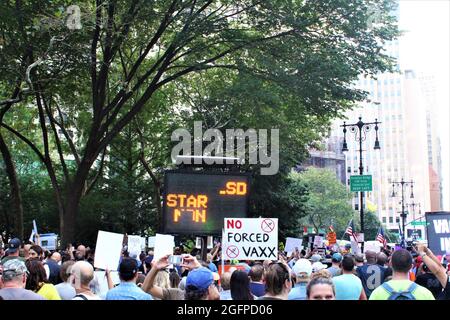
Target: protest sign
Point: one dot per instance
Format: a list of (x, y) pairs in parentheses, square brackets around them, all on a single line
[(49, 241), (292, 243), (250, 238), (374, 246), (143, 244), (164, 244), (108, 250), (134, 246), (355, 247), (151, 242), (438, 232), (318, 241), (331, 237), (102, 283)]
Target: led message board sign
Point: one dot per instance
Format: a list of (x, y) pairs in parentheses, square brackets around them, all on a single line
[(197, 203)]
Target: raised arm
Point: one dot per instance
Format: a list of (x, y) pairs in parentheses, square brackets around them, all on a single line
[(149, 282), (433, 264)]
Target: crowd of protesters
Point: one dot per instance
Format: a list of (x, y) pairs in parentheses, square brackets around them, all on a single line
[(27, 272)]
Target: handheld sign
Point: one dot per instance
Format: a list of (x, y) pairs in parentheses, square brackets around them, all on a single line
[(292, 243), (197, 203), (250, 239), (438, 231), (107, 250)]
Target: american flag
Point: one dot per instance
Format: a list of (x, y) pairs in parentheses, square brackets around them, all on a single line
[(351, 230), (381, 238)]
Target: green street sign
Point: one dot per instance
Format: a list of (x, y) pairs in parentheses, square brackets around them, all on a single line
[(419, 223), (361, 183)]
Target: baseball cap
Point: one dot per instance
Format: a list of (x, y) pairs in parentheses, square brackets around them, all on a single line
[(13, 268), (14, 245), (337, 257), (302, 266), (200, 278), (316, 257), (317, 266), (128, 266)]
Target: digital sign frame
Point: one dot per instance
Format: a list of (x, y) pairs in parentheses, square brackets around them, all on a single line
[(196, 202)]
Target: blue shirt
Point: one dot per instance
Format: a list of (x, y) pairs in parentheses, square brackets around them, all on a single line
[(348, 287), (225, 295), (257, 289), (127, 291), (298, 292), (212, 267)]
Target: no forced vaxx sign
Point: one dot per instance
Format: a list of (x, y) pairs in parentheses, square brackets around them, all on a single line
[(250, 239)]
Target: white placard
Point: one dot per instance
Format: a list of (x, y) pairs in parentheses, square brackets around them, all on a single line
[(355, 248), (198, 243), (151, 242), (134, 246), (318, 241), (143, 244), (374, 246), (108, 250), (49, 241), (102, 282), (292, 243), (250, 239), (360, 237), (164, 244), (209, 242)]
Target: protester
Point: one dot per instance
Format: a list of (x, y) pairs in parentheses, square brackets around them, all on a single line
[(302, 270), (371, 274), (13, 281), (359, 260), (80, 254), (278, 282), (335, 264), (127, 289), (35, 252), (54, 268), (256, 274), (200, 285), (401, 287), (174, 278), (82, 274), (321, 287), (65, 290), (348, 286), (428, 280), (225, 292), (13, 251), (438, 270), (166, 293), (239, 286), (37, 280)]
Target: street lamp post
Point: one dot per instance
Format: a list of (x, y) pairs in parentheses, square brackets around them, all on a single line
[(403, 184), (360, 130), (413, 207)]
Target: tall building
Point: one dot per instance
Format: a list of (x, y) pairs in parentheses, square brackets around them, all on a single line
[(330, 157), (428, 87), (399, 101)]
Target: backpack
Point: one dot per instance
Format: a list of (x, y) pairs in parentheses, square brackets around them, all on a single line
[(82, 296), (400, 295)]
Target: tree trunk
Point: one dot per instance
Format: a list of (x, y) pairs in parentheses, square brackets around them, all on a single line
[(15, 189), (74, 194)]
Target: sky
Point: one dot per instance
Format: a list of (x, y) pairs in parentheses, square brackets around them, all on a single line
[(425, 47)]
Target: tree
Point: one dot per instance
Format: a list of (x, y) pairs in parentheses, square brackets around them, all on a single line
[(127, 53), (329, 201)]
